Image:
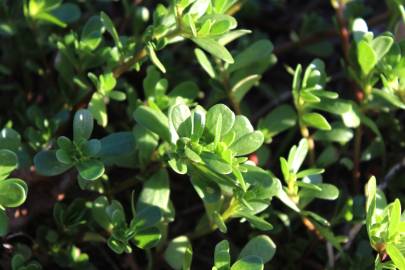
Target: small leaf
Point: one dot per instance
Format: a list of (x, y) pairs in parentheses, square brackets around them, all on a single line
[(248, 263), (295, 160), (381, 45), (366, 57), (82, 125), (228, 119), (90, 169), (155, 60), (316, 120), (327, 192), (247, 143), (153, 120), (222, 258), (280, 119), (204, 62), (175, 253), (91, 34), (148, 238), (3, 222), (241, 88), (12, 193), (394, 219), (219, 222), (47, 164), (215, 163), (396, 256), (108, 24), (214, 48), (8, 162), (261, 246)]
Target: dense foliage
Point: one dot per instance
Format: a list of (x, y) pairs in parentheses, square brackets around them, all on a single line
[(164, 135)]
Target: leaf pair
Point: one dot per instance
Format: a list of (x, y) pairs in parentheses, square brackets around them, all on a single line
[(81, 152), (13, 191)]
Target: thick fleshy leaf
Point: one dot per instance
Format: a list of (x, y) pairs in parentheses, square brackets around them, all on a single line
[(396, 256), (8, 162), (91, 34), (261, 246), (215, 163), (381, 45), (155, 192), (82, 125), (241, 88), (204, 62), (316, 120), (12, 193), (153, 120), (280, 119), (366, 57), (214, 48), (222, 258), (148, 238), (253, 54), (175, 253), (147, 217), (228, 119), (247, 143), (98, 109), (90, 169), (180, 119), (327, 192), (47, 164), (3, 222), (248, 263)]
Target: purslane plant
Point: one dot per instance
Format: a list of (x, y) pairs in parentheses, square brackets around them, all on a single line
[(165, 146)]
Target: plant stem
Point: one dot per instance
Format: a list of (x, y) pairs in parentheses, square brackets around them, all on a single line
[(356, 158)]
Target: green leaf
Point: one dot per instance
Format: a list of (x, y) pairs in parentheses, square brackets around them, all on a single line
[(215, 163), (67, 12), (381, 45), (175, 253), (222, 259), (394, 219), (91, 148), (307, 172), (371, 191), (3, 222), (82, 125), (198, 119), (248, 263), (214, 48), (188, 90), (316, 120), (90, 169), (178, 165), (396, 256), (47, 164), (180, 119), (116, 144), (91, 34), (241, 88), (98, 109), (297, 157), (148, 238), (155, 60), (204, 62), (10, 139), (280, 119), (241, 127), (253, 54), (336, 134), (156, 192), (8, 162), (261, 246), (257, 222), (366, 57), (108, 24), (12, 192), (327, 192), (391, 98), (228, 119), (247, 143), (147, 217), (153, 120)]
